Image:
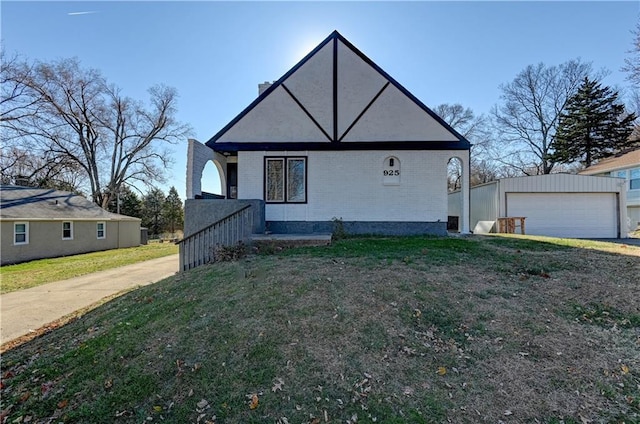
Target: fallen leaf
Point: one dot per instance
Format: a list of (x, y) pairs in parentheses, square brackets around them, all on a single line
[(277, 385), (63, 404), (254, 401), (508, 412), (45, 387), (202, 404), (157, 408), (625, 369), (25, 396), (442, 370), (315, 421), (108, 383)]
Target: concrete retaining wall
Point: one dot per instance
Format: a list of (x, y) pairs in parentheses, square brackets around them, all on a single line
[(200, 213)]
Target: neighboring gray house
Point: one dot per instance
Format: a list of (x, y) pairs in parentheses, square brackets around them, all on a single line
[(627, 166), (336, 137), (44, 223)]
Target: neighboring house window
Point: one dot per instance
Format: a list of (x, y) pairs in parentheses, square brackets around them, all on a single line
[(21, 233), (285, 179), (67, 230), (634, 180), (101, 230)]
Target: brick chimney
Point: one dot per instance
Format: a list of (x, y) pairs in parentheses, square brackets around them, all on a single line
[(263, 87)]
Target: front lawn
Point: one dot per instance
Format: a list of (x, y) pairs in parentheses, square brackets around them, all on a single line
[(42, 271), (387, 330)]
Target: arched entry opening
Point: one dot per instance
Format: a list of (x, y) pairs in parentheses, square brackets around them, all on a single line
[(455, 199), (211, 180)]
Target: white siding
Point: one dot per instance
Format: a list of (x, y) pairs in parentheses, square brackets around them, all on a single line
[(484, 203), (577, 215), (349, 185), (559, 183)]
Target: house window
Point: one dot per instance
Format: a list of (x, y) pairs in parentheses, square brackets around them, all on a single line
[(285, 180), (21, 233), (67, 230), (634, 180), (101, 230)]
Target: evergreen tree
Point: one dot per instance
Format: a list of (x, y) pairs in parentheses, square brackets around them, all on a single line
[(173, 212), (593, 126), (152, 208), (130, 203)]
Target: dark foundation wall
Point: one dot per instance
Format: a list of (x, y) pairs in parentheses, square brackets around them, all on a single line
[(358, 227)]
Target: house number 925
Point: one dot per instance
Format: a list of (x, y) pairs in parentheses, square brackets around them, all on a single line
[(391, 172)]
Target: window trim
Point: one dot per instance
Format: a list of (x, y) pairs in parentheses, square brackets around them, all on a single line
[(26, 233), (285, 161), (268, 159), (70, 230), (104, 230)]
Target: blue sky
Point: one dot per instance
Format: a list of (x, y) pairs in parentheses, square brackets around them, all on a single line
[(216, 53)]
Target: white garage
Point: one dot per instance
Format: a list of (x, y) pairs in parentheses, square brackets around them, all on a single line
[(557, 205), (574, 215)]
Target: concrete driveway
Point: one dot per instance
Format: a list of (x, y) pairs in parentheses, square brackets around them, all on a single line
[(628, 241), (24, 311)]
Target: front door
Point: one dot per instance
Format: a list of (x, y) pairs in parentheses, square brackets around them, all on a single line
[(232, 180)]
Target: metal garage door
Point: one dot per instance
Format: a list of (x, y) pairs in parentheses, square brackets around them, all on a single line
[(574, 215)]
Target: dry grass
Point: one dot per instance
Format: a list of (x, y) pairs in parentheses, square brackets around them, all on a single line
[(367, 330), (43, 271)]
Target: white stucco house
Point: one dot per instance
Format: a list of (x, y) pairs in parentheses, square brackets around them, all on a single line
[(625, 165), (335, 137)]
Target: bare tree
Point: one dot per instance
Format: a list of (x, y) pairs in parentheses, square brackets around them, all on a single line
[(475, 129), (528, 116), (19, 166), (71, 114), (632, 64), (14, 93), (632, 67)]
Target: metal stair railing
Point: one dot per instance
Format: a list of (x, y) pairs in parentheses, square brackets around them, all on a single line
[(198, 248)]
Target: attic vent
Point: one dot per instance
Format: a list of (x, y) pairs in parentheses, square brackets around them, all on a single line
[(263, 87)]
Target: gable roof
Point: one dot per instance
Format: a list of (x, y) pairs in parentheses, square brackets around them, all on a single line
[(619, 161), (27, 203), (336, 98)]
